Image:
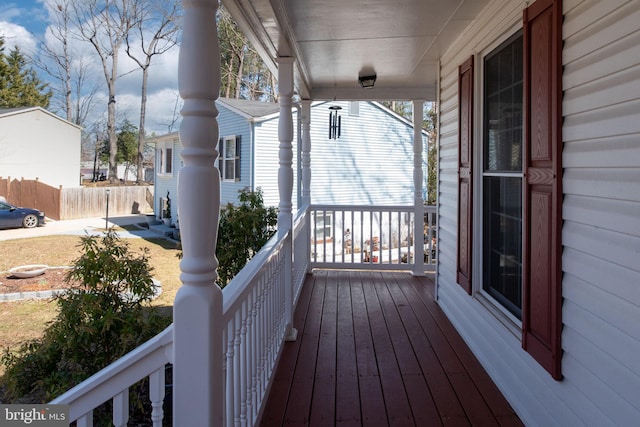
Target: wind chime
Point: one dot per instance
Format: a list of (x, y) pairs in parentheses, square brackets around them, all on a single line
[(334, 122)]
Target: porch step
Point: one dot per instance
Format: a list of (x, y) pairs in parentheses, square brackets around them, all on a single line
[(162, 230)]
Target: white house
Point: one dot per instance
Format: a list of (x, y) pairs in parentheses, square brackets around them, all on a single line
[(30, 138), (538, 202), (368, 164)]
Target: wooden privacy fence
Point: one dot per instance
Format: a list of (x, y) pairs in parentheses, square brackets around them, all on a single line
[(74, 203)]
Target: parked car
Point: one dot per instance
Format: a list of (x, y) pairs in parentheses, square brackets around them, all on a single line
[(13, 216)]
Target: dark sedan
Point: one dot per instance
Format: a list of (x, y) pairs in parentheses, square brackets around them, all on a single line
[(12, 216)]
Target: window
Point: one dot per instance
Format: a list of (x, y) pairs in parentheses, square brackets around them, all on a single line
[(520, 207), (323, 227), (229, 159), (502, 175), (354, 108), (165, 156)]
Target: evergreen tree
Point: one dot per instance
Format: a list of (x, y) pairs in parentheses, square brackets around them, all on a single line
[(19, 83), (127, 145)]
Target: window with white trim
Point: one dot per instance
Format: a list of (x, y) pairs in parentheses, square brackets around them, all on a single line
[(165, 158), (322, 226), (229, 158), (502, 175)]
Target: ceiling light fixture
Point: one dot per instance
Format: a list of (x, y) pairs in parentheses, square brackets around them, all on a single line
[(367, 81)]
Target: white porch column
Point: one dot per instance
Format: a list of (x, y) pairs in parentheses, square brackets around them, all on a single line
[(285, 180), (306, 152), (198, 396), (418, 202)]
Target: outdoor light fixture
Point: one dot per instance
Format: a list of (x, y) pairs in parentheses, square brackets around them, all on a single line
[(334, 122), (367, 81)]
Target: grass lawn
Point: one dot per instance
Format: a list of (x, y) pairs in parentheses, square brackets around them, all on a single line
[(25, 320)]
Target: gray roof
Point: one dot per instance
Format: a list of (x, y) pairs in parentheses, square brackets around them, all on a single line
[(252, 109)]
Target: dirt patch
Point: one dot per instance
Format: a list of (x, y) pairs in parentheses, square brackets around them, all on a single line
[(53, 278)]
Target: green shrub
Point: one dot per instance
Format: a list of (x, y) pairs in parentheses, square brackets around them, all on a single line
[(244, 229), (103, 316)]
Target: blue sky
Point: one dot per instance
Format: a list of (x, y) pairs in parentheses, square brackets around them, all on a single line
[(24, 23)]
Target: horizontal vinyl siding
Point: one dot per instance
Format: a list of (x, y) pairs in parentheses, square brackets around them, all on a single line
[(267, 160), (601, 231), (233, 124), (371, 162)]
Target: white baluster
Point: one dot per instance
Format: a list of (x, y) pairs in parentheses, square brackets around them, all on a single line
[(244, 367), (230, 375), (198, 398), (121, 409), (156, 394), (86, 420), (237, 367)]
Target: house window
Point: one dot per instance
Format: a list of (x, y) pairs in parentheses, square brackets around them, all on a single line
[(502, 175), (166, 158), (518, 216), (323, 228), (229, 163), (354, 108)]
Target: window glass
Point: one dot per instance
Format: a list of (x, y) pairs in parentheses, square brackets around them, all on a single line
[(503, 107), (230, 158), (502, 175), (502, 238), (169, 160)]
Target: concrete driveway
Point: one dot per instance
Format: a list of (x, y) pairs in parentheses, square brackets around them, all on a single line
[(81, 227)]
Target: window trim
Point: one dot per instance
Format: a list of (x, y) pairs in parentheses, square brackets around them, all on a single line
[(504, 315), (544, 348), (222, 157), (162, 148)]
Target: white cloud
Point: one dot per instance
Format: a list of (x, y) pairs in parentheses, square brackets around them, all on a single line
[(17, 35)]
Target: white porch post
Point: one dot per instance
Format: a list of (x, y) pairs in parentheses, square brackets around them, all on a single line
[(418, 264), (306, 152), (198, 396), (285, 180)]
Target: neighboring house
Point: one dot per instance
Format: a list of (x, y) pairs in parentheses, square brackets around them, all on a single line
[(37, 144), (369, 164)]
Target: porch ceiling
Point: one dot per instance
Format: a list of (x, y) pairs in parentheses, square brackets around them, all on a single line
[(335, 41)]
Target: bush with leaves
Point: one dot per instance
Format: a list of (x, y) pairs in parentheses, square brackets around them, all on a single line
[(244, 229), (105, 315)]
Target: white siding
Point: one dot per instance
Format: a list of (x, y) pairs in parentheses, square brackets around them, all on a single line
[(370, 164), (233, 124), (267, 161), (601, 232), (38, 144), (168, 182)]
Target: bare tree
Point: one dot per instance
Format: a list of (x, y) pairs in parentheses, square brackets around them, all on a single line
[(244, 75), (157, 27), (105, 25)]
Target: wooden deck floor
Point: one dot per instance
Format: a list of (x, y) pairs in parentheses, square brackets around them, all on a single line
[(375, 349)]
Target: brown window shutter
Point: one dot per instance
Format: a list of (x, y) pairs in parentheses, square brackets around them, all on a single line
[(238, 157), (221, 156), (465, 153), (542, 270)]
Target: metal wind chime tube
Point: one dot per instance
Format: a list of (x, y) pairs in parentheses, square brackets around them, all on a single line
[(334, 122)]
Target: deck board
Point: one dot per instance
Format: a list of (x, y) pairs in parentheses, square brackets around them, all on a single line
[(374, 349)]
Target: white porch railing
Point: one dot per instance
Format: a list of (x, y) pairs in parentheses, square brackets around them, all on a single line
[(257, 310), (371, 237), (113, 382)]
